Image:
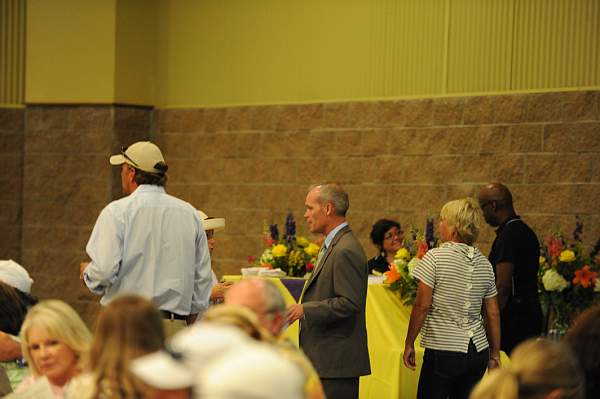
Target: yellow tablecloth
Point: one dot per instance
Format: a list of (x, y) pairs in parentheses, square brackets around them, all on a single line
[(387, 324)]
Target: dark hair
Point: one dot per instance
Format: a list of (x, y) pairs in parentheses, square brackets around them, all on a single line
[(14, 305), (379, 229), (153, 179), (584, 339)]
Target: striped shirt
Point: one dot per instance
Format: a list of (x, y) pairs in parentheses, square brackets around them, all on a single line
[(461, 277)]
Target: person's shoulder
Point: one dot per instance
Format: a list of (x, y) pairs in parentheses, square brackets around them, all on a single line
[(518, 229), (116, 207), (346, 239)]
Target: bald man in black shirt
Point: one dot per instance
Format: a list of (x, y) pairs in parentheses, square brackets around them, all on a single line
[(515, 257)]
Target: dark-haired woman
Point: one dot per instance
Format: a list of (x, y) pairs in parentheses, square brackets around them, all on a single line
[(387, 236)]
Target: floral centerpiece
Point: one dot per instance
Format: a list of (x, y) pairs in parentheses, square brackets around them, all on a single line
[(295, 255), (568, 279), (399, 277)]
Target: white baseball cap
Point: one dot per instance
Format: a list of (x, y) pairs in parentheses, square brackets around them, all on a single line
[(211, 223), (192, 350), (256, 371), (15, 275), (142, 155)]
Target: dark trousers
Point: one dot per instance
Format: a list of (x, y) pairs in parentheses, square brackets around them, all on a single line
[(340, 388), (451, 375)]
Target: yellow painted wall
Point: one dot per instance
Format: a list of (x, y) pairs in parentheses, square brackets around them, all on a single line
[(70, 52), (135, 68), (274, 51), (187, 53)]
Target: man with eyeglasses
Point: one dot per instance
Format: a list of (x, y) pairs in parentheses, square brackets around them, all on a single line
[(150, 243), (515, 259)]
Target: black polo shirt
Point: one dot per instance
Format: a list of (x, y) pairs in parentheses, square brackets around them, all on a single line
[(516, 243), (521, 318)]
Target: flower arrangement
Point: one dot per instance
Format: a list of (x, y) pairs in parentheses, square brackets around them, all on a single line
[(295, 255), (399, 277), (567, 279)]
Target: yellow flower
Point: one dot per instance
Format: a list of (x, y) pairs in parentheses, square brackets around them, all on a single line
[(567, 256), (403, 254), (542, 261), (312, 249), (303, 242), (279, 250)]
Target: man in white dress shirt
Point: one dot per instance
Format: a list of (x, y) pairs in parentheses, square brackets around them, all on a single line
[(150, 243)]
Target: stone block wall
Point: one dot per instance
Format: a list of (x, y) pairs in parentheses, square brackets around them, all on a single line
[(12, 125), (397, 159), (67, 180)]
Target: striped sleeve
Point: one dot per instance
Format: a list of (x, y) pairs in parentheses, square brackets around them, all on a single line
[(491, 288), (425, 270)]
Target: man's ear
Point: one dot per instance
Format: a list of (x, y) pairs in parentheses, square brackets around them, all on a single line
[(279, 321), (328, 209)]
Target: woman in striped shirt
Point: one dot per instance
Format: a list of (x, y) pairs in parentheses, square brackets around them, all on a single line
[(454, 281)]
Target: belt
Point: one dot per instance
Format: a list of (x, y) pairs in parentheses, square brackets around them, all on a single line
[(172, 316)]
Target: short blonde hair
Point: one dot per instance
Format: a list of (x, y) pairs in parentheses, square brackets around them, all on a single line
[(537, 367), (60, 321), (463, 217)]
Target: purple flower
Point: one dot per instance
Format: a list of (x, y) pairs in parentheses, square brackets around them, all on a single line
[(429, 233), (274, 232), (290, 225), (578, 229)]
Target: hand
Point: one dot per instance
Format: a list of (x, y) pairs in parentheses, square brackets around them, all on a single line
[(295, 312), (219, 289), (409, 357), (494, 363), (191, 319), (82, 267)]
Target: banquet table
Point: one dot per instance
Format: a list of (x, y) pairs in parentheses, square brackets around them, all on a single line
[(387, 323)]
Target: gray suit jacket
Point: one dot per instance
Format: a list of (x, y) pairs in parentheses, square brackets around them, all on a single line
[(333, 333)]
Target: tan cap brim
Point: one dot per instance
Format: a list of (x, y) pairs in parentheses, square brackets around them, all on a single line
[(117, 159), (214, 224)]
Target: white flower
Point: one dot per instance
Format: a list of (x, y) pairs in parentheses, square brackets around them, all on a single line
[(597, 285), (412, 264), (266, 257), (553, 281)]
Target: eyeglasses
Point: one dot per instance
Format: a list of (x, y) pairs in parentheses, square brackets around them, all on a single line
[(389, 236), (123, 149)]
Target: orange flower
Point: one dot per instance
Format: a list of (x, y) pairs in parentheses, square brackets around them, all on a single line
[(585, 277), (392, 275), (422, 249)]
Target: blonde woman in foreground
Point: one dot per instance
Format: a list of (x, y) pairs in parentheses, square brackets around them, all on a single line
[(54, 341), (539, 369)]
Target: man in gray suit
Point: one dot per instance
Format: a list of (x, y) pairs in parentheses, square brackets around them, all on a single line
[(331, 311)]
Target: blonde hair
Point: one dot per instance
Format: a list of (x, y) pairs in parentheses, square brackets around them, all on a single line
[(129, 327), (537, 367), (463, 217), (60, 321)]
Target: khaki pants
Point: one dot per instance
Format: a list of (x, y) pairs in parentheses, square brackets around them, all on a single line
[(172, 326)]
